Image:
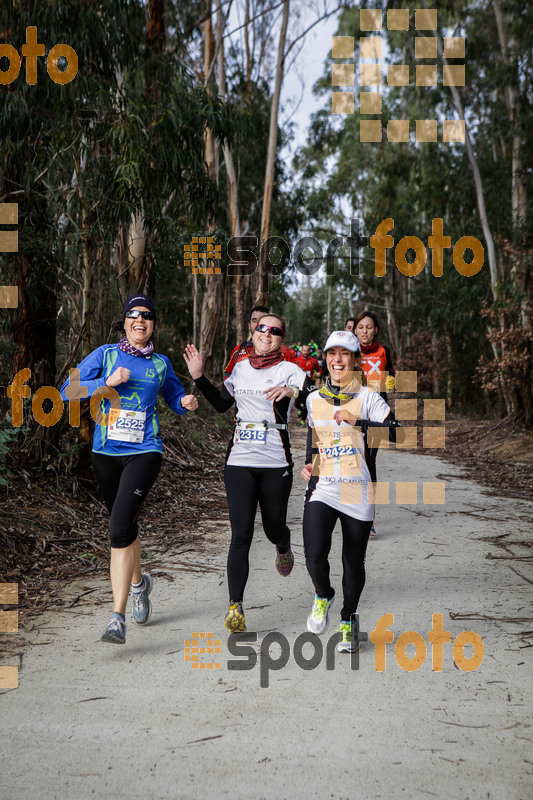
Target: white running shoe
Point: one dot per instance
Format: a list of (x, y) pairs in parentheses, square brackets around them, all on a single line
[(317, 621)]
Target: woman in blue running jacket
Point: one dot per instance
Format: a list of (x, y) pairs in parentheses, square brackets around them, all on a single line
[(127, 449)]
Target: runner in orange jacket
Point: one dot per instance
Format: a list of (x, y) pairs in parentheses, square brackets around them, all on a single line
[(376, 363)]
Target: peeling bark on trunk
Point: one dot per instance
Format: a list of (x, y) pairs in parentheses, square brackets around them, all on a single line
[(480, 197), (141, 273), (449, 379), (435, 359), (239, 286), (84, 430), (247, 51), (522, 399), (209, 53), (262, 294), (136, 248), (213, 291), (155, 25), (518, 189)]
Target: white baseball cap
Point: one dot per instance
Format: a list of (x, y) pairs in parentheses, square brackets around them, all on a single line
[(345, 339)]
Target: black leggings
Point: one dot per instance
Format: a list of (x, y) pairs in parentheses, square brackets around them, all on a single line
[(319, 521), (245, 488), (125, 482)]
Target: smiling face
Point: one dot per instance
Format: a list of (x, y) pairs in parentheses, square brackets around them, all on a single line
[(139, 331), (341, 364), (266, 342), (366, 331)]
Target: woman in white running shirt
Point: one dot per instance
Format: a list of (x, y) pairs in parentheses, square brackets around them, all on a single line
[(340, 485), (259, 463)]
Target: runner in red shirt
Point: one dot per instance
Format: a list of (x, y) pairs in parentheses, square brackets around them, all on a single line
[(289, 354), (243, 350), (311, 367)]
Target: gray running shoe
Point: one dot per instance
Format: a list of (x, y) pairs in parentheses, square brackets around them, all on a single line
[(142, 607), (115, 633)]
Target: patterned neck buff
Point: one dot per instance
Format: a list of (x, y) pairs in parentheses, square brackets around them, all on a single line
[(329, 390), (268, 360), (135, 351)]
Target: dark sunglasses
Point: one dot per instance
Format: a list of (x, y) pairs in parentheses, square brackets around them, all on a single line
[(262, 328), (144, 314)]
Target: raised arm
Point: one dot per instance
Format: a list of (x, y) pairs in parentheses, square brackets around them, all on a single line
[(220, 399)]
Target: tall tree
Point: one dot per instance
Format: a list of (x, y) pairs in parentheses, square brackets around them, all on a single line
[(212, 298), (264, 261)]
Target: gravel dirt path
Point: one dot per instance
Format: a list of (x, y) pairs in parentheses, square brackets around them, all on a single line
[(90, 720)]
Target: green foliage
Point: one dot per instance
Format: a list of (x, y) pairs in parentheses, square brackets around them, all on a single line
[(414, 183), (125, 136)]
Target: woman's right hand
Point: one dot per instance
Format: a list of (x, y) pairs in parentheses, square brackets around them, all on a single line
[(345, 416), (307, 472), (120, 375), (194, 361)]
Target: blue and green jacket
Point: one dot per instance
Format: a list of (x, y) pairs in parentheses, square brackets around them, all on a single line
[(148, 376)]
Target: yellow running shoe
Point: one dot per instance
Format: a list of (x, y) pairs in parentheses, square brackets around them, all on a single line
[(235, 621), (350, 637)]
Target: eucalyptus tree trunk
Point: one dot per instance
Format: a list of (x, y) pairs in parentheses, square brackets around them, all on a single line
[(239, 284), (133, 266), (212, 298), (520, 272), (496, 283), (136, 251), (480, 197), (88, 273), (518, 256), (262, 293), (247, 50)]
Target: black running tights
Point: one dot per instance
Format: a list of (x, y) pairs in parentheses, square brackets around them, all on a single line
[(246, 487), (319, 521), (125, 482)]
